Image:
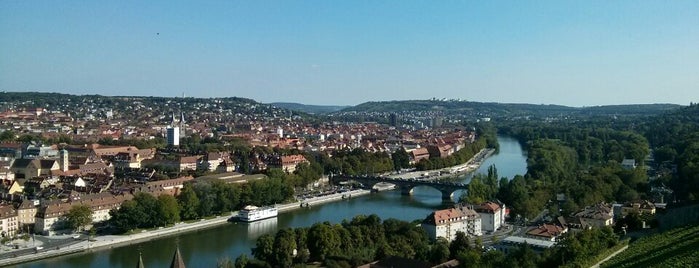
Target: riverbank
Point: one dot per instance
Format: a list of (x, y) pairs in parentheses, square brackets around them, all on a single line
[(470, 166), (113, 241)]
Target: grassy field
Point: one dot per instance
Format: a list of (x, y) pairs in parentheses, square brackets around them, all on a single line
[(673, 248)]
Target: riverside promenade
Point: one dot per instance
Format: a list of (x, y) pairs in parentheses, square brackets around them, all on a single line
[(113, 241)]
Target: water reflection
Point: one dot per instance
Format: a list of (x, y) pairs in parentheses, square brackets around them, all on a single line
[(258, 228)]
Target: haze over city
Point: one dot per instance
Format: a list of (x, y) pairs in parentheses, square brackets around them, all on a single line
[(345, 53)]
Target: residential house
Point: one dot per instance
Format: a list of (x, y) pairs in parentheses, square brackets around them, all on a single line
[(445, 223), (30, 168), (211, 161), (26, 213), (8, 221), (288, 163), (418, 154), (628, 163), (50, 217), (548, 232), (6, 174), (440, 151), (9, 189), (640, 207), (598, 215), (189, 162), (173, 186), (492, 215), (132, 158)]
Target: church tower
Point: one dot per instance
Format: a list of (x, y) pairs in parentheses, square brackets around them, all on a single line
[(63, 161)]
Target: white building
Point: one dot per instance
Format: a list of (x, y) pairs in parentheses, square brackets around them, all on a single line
[(445, 223), (492, 215), (173, 136)]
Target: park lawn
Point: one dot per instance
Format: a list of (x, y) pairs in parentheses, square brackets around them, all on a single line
[(673, 248)]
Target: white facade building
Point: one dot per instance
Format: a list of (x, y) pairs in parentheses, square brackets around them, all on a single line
[(173, 136), (445, 223), (492, 215)]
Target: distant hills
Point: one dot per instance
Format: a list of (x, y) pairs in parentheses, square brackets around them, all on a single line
[(443, 107), (448, 107), (310, 109)]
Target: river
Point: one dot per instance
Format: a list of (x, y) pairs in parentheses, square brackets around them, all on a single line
[(205, 247)]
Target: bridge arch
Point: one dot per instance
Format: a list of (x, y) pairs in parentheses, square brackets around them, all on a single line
[(447, 189)]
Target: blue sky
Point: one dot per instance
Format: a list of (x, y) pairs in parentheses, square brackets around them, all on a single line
[(577, 53)]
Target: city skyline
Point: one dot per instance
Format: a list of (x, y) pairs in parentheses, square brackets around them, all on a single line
[(347, 53)]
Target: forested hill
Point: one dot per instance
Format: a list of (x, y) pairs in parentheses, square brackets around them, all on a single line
[(506, 109)]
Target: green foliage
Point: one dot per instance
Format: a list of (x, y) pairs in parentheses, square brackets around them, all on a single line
[(675, 140), (168, 210), (576, 249), (78, 217), (482, 188), (361, 240), (355, 162), (401, 159), (673, 248), (581, 162), (188, 203)]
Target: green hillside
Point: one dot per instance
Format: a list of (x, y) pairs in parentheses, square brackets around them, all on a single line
[(674, 248)]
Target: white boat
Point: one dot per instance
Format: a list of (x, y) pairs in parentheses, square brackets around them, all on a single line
[(253, 213)]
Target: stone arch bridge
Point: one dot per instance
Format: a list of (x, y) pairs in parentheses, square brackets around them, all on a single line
[(406, 185)]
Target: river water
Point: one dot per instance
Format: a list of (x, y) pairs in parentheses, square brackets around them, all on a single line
[(206, 247)]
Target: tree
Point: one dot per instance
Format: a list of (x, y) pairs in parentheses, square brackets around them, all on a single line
[(440, 251), (149, 206), (401, 159), (322, 241), (264, 247), (460, 244), (78, 217), (168, 210), (128, 217), (188, 202), (284, 245), (241, 261)]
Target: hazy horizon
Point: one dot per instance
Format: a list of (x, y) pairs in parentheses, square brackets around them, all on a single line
[(345, 53)]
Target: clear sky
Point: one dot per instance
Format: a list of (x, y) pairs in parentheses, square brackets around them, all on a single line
[(577, 53)]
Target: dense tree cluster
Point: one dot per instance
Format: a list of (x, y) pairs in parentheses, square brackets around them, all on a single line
[(367, 238), (355, 162), (675, 140), (349, 244), (581, 163), (197, 200)]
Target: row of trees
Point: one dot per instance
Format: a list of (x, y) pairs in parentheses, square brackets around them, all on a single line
[(197, 200)]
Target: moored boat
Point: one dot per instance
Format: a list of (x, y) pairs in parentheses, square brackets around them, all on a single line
[(253, 213)]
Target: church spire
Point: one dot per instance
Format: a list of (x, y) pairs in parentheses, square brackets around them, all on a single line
[(177, 261), (140, 260)]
